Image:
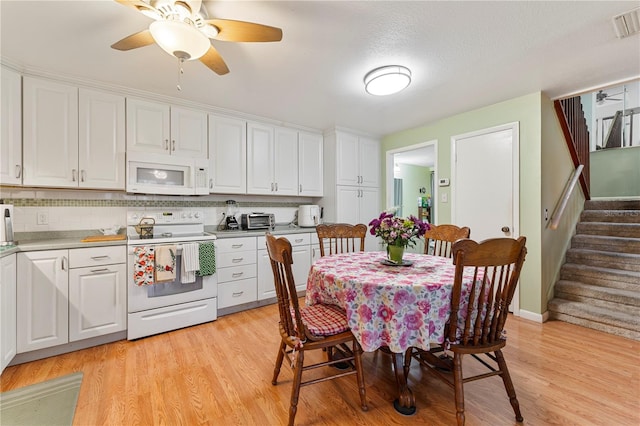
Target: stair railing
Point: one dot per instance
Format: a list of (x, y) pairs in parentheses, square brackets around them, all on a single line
[(576, 134), (564, 199)]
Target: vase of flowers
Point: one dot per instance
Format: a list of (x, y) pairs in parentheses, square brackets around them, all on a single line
[(397, 233)]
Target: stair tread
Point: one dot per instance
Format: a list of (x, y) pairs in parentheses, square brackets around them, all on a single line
[(594, 313), (612, 271), (604, 253), (610, 290)]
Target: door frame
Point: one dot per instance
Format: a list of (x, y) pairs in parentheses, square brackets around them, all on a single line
[(389, 172), (515, 178)]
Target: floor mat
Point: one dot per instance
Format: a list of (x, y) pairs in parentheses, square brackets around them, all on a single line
[(48, 403)]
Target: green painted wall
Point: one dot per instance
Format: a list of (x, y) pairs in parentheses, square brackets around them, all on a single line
[(615, 172), (413, 178), (527, 110)]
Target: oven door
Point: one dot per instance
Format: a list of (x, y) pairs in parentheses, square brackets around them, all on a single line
[(142, 298)]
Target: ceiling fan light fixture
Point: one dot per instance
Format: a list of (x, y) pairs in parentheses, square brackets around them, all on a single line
[(180, 39), (387, 80)]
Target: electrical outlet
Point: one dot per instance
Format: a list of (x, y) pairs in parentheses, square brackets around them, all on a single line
[(43, 218)]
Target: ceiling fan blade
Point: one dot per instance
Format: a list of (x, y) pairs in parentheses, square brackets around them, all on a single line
[(141, 39), (214, 61), (230, 30), (138, 5)]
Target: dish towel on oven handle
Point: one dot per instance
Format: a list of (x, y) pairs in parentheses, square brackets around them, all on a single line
[(190, 262), (144, 265), (165, 263), (207, 254)]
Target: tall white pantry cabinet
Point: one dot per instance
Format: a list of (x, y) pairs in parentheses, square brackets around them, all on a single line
[(352, 180)]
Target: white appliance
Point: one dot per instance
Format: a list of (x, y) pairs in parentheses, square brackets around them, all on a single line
[(162, 174), (308, 215), (167, 306), (6, 224)]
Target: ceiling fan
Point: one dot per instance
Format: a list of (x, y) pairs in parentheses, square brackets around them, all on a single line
[(602, 96), (182, 29)]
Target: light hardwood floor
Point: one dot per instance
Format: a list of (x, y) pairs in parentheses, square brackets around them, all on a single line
[(220, 374)]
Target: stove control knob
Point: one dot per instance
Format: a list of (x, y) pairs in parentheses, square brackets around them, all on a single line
[(184, 215), (190, 215), (197, 215)]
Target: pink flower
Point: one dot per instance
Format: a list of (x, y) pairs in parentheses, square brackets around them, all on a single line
[(365, 313), (413, 320), (386, 313), (403, 298)]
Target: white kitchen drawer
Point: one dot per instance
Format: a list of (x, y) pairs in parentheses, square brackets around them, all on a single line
[(301, 239), (236, 273), (314, 238), (230, 245), (94, 256), (226, 260), (237, 293)]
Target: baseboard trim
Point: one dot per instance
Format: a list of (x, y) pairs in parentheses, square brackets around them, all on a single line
[(532, 316)]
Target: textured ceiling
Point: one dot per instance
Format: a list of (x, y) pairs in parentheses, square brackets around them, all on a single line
[(463, 55)]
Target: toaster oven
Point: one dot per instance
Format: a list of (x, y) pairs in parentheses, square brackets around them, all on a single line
[(258, 221)]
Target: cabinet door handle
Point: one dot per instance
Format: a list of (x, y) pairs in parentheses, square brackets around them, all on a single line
[(99, 257), (18, 171), (73, 175), (300, 188), (173, 145), (237, 293), (83, 175), (64, 263), (166, 144), (210, 183), (95, 271), (235, 246), (276, 186), (237, 259), (237, 274)]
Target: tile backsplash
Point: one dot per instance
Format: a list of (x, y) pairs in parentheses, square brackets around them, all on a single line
[(76, 210)]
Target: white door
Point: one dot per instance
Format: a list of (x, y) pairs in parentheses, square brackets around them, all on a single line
[(148, 127), (369, 162), (10, 128), (8, 313), (260, 159), (485, 184), (285, 155), (484, 179)]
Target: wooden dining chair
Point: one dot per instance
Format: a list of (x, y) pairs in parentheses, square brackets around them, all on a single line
[(476, 326), (443, 236), (308, 328), (341, 238)]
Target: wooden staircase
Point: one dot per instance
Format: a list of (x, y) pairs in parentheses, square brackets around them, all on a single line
[(599, 284)]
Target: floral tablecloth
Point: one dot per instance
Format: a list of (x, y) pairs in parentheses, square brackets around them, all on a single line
[(393, 306)]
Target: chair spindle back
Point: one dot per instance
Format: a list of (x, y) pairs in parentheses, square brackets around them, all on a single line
[(443, 237), (341, 238)]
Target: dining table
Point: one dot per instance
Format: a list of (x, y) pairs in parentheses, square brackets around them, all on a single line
[(389, 306)]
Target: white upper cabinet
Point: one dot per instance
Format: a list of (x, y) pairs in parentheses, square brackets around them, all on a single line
[(285, 161), (101, 148), (227, 155), (154, 127), (357, 160), (272, 160), (10, 128), (310, 163), (50, 134), (189, 133), (72, 138)]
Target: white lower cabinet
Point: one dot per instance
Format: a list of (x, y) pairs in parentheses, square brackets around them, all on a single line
[(68, 295), (301, 252), (236, 269), (7, 310), (97, 292)]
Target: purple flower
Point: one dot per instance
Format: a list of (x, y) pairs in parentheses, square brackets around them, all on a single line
[(413, 320)]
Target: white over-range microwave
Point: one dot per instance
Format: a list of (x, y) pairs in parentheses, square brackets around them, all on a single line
[(160, 174)]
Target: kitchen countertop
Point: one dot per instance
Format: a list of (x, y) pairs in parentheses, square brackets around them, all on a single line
[(37, 241)]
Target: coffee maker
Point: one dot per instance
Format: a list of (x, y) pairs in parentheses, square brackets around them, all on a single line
[(231, 223)]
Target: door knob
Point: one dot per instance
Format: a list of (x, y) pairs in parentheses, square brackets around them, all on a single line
[(505, 229)]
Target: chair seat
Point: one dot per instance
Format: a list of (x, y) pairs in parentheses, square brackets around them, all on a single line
[(324, 320)]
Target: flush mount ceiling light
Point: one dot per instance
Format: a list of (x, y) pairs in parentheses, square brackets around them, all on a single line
[(627, 23), (387, 80)]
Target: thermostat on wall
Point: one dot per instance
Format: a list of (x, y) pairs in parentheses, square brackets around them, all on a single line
[(443, 182)]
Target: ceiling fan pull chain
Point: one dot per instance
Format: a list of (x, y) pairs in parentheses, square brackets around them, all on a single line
[(180, 72)]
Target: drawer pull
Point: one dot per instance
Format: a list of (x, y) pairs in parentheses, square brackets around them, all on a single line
[(99, 257), (237, 274), (237, 246), (95, 271), (237, 293), (237, 259), (299, 240)]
